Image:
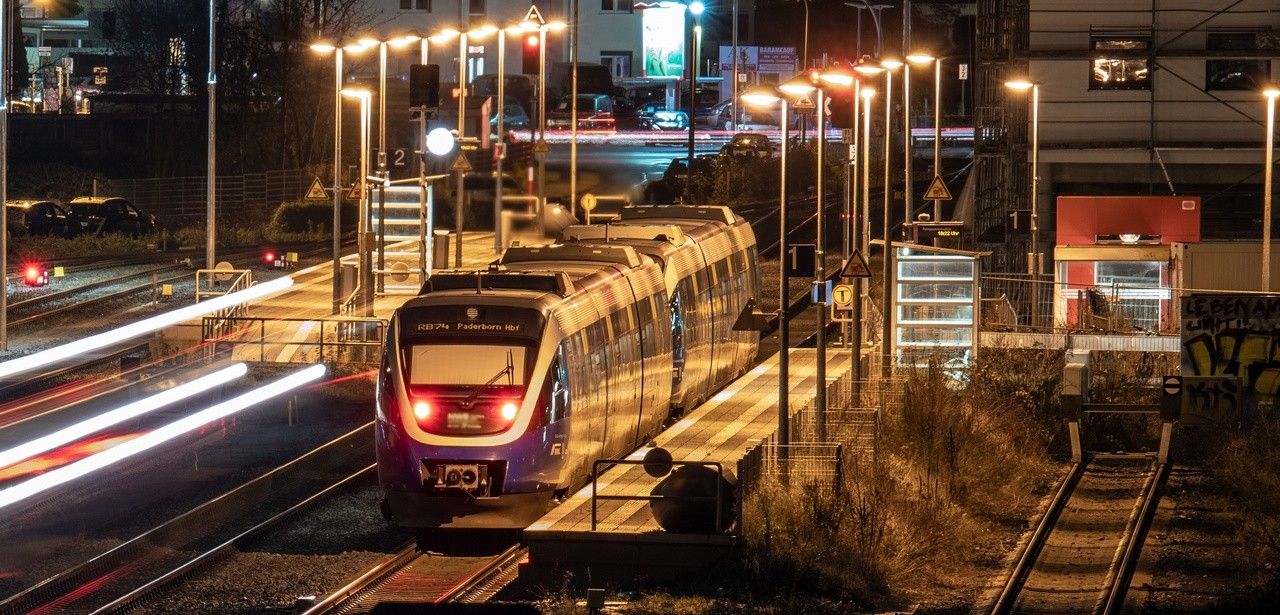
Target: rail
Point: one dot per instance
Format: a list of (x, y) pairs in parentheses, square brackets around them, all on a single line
[(351, 340), (1119, 586), (1027, 558), (596, 497)]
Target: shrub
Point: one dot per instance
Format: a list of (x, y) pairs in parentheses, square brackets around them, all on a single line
[(49, 248), (310, 217)]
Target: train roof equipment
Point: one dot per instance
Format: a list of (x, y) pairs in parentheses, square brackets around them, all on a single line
[(556, 282), (613, 255), (666, 233), (709, 213)]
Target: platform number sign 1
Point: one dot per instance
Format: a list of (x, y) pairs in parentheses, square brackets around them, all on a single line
[(802, 260)]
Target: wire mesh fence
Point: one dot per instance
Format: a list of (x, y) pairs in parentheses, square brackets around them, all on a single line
[(181, 200)]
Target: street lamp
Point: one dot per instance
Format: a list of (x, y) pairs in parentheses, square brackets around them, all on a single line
[(867, 95), (542, 27), (696, 8), (886, 297), (841, 77), (337, 50), (924, 58), (762, 97), (365, 278), (1033, 257), (4, 175), (1271, 92)]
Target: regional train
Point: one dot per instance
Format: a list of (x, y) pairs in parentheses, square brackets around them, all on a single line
[(499, 388)]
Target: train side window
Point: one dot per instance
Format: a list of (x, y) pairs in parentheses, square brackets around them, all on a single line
[(558, 377), (739, 264), (722, 271)]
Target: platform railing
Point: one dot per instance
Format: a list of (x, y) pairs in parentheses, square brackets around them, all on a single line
[(212, 283), (596, 497), (334, 340)]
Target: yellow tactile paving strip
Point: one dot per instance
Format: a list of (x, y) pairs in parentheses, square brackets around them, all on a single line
[(720, 430)]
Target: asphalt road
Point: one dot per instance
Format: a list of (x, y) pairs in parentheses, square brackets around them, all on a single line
[(613, 169)]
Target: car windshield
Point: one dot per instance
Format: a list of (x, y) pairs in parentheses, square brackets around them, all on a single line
[(464, 364), (585, 103)]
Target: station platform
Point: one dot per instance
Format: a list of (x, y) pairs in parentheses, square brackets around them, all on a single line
[(299, 326), (627, 543)]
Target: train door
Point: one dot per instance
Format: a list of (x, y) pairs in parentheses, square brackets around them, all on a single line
[(706, 305), (597, 369), (625, 387), (575, 406), (724, 347)]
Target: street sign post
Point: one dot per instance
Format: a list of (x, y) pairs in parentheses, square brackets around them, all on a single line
[(316, 191), (842, 296), (937, 190)]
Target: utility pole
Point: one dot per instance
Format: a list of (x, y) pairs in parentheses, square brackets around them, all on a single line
[(573, 119), (4, 175), (211, 219)]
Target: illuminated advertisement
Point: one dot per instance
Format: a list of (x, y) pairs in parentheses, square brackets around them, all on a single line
[(664, 40)]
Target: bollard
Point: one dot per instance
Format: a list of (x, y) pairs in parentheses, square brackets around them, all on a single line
[(440, 251)]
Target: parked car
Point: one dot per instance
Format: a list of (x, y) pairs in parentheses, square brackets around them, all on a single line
[(39, 217), (514, 118), (107, 214), (665, 120), (752, 144), (670, 187), (595, 112)]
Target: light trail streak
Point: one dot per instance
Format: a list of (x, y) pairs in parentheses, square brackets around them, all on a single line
[(70, 472), (81, 346), (138, 408)]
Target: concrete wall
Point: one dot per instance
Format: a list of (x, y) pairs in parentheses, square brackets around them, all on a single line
[(1176, 105)]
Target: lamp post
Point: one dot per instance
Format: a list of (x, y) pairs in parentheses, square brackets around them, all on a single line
[(211, 232), (1033, 257), (383, 172), (695, 8), (366, 276), (886, 297), (1271, 93), (4, 175), (542, 27), (867, 95), (766, 98), (924, 58), (338, 52)]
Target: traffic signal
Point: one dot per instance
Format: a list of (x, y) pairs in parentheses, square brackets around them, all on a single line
[(529, 54), (840, 104), (424, 86), (34, 274)]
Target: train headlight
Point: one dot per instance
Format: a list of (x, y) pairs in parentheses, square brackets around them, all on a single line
[(509, 410), (422, 410)]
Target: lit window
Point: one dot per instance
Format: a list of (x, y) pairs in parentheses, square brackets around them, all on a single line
[(1121, 71), (1235, 73)]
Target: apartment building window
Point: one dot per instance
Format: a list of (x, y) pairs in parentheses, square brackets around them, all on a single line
[(619, 63), (475, 7), (615, 6), (421, 5), (1235, 73), (1114, 65)]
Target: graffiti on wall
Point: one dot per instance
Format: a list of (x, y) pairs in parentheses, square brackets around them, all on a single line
[(1235, 336)]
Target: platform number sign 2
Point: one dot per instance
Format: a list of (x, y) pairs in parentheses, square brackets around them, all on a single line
[(399, 157)]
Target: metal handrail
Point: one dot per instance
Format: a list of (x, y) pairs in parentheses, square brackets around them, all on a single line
[(211, 323), (595, 489), (218, 324)]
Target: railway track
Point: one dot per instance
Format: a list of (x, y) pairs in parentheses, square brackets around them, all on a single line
[(1082, 554), (412, 576), (134, 571)]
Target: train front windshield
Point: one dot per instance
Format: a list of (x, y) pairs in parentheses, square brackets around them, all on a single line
[(467, 365), (467, 368)]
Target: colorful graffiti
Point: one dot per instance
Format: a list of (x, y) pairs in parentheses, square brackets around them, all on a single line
[(1236, 336)]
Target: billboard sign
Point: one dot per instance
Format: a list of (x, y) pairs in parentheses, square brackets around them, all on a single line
[(664, 38)]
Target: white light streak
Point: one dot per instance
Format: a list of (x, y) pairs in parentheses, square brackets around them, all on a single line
[(155, 438), (138, 408), (148, 325)]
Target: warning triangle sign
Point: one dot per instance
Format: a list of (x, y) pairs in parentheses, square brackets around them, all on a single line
[(805, 103), (460, 164), (534, 15), (856, 267), (357, 192), (937, 190), (316, 191)]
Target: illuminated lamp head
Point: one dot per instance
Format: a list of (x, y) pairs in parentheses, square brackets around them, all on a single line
[(509, 410), (422, 410)]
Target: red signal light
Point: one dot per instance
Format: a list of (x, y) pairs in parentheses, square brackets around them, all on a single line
[(531, 40), (35, 275), (269, 257)]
